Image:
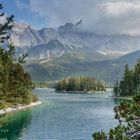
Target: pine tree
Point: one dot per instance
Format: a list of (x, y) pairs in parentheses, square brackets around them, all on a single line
[(127, 113), (80, 84), (137, 77), (15, 84), (116, 89), (127, 86)]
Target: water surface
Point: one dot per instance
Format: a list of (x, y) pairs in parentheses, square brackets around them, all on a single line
[(62, 117)]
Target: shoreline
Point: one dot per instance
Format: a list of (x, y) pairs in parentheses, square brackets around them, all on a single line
[(19, 108), (80, 92), (123, 98)]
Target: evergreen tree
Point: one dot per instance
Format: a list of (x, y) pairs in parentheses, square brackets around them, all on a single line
[(137, 77), (128, 115), (15, 84), (80, 84), (129, 83), (99, 136), (116, 89)]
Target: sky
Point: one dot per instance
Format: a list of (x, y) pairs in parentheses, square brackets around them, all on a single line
[(105, 17)]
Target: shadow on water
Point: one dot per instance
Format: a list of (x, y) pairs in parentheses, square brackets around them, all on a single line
[(62, 117), (118, 101), (15, 126)]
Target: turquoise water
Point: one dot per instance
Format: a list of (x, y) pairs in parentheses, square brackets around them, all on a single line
[(62, 117)]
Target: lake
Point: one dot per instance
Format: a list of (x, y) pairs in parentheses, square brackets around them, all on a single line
[(62, 116)]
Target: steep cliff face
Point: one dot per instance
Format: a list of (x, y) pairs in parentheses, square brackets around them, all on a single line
[(52, 43), (24, 36)]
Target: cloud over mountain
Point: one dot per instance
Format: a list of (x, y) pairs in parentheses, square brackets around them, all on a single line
[(99, 16)]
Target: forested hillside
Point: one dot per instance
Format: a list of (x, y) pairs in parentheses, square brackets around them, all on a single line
[(80, 65)]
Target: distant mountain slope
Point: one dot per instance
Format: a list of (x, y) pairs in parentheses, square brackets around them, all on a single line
[(65, 66), (130, 58), (54, 71)]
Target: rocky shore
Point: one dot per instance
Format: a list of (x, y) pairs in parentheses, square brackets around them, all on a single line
[(19, 107)]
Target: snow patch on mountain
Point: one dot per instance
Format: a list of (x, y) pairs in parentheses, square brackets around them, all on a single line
[(102, 52)]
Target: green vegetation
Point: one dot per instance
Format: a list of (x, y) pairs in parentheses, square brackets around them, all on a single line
[(80, 84), (41, 85), (15, 84), (127, 113), (130, 83), (79, 64), (70, 66)]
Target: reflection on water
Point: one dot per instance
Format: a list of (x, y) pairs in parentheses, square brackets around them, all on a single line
[(63, 117), (17, 123)]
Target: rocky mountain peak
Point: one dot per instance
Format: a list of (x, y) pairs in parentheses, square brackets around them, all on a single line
[(79, 22), (70, 38), (20, 26), (68, 27)]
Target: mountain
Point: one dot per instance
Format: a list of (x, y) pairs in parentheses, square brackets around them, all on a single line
[(109, 70), (68, 51), (130, 58), (49, 43)]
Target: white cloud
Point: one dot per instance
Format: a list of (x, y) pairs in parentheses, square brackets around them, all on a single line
[(99, 16), (121, 8)]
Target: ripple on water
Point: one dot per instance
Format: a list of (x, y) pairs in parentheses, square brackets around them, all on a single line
[(65, 117)]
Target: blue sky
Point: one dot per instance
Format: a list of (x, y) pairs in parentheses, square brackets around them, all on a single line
[(99, 16), (22, 11)]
